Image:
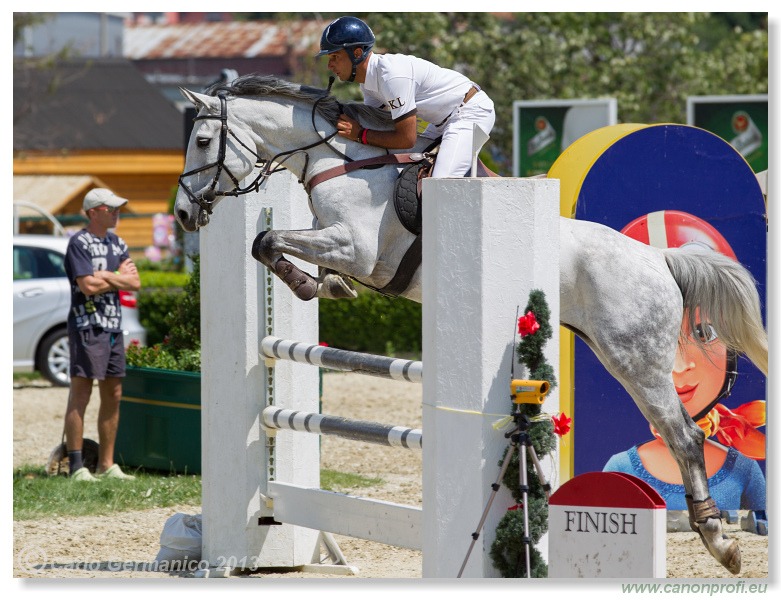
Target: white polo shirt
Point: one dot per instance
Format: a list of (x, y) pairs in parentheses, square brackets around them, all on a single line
[(410, 85)]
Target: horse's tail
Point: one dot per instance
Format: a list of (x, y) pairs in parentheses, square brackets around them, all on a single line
[(726, 294)]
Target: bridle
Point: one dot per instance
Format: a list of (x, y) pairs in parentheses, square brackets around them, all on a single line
[(267, 167)]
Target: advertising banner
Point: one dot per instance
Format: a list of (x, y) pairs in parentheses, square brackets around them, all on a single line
[(543, 129), (672, 186), (740, 120)]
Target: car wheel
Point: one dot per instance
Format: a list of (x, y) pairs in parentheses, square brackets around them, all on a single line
[(54, 358)]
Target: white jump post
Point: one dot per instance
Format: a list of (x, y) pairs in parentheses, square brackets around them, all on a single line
[(234, 317), (486, 244)]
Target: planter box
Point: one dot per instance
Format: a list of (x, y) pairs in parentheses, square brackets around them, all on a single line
[(160, 420)]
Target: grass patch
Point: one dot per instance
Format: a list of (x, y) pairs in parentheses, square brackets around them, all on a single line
[(27, 377), (37, 495), (336, 481)]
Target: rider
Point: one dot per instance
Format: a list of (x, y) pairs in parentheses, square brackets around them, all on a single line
[(407, 86)]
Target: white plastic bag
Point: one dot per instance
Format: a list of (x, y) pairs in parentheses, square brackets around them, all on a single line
[(180, 543)]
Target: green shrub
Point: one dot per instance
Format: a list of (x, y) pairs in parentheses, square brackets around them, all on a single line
[(185, 320), (372, 323), (169, 265), (163, 356), (160, 291), (172, 318), (153, 307), (163, 279)]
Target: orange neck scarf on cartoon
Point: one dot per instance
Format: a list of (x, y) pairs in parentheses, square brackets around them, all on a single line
[(736, 427)]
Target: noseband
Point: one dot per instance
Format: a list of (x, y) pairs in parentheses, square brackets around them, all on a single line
[(209, 197)]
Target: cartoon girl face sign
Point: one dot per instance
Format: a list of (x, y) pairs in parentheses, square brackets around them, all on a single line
[(703, 373), (700, 371)]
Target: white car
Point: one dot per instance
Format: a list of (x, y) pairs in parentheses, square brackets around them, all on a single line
[(41, 304)]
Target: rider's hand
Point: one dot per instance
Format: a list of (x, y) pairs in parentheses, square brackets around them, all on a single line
[(348, 127)]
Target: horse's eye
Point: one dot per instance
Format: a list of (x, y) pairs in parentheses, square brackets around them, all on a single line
[(203, 142)]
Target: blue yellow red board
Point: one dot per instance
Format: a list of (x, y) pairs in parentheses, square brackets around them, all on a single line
[(614, 176)]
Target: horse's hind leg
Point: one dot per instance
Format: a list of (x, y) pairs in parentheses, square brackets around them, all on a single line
[(662, 408)]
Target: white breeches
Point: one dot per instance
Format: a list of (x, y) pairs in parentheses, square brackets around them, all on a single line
[(455, 154)]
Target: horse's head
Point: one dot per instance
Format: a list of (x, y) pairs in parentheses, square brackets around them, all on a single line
[(219, 155)]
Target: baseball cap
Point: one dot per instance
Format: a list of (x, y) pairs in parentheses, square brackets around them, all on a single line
[(100, 196)]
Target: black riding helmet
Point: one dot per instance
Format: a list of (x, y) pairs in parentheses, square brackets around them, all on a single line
[(346, 33)]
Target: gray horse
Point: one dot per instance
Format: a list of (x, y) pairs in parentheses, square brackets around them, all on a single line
[(625, 299)]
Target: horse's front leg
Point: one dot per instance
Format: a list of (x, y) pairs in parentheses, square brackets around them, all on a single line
[(331, 248), (264, 251), (685, 439), (647, 377)]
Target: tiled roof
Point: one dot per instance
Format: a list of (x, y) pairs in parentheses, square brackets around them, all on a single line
[(246, 39)]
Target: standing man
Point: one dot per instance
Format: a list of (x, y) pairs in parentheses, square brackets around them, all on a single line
[(407, 86), (98, 266)]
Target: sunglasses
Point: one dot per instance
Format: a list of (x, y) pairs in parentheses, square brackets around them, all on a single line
[(108, 209)]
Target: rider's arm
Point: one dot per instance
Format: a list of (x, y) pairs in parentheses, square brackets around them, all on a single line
[(403, 136)]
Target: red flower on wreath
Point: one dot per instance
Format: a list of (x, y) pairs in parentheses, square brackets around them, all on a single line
[(527, 324), (561, 424)]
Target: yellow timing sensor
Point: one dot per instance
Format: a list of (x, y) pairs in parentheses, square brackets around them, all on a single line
[(528, 391)]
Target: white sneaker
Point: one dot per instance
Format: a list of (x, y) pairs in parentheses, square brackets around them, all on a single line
[(83, 474), (114, 472)]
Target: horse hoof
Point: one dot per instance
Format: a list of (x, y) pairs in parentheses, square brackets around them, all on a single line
[(723, 549), (334, 287), (731, 559)]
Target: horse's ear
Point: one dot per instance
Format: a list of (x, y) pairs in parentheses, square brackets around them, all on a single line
[(188, 95), (199, 100)]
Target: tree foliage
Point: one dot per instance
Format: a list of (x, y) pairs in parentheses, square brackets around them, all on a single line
[(649, 62)]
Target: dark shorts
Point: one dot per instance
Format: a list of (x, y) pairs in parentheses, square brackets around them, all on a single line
[(96, 354)]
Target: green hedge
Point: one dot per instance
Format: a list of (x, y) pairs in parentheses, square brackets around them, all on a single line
[(162, 279), (153, 306), (372, 323), (160, 291)]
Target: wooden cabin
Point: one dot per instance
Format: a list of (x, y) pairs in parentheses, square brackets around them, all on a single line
[(92, 123)]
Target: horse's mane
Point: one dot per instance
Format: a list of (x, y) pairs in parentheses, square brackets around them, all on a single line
[(327, 106)]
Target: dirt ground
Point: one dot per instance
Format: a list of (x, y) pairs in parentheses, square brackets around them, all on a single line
[(124, 545)]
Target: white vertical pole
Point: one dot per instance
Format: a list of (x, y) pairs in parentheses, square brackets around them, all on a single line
[(486, 244), (234, 384)]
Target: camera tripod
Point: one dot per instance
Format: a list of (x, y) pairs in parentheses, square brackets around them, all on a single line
[(518, 437)]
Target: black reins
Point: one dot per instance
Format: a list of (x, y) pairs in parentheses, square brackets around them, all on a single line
[(267, 167)]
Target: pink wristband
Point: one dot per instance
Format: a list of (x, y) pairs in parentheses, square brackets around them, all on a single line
[(363, 136)]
